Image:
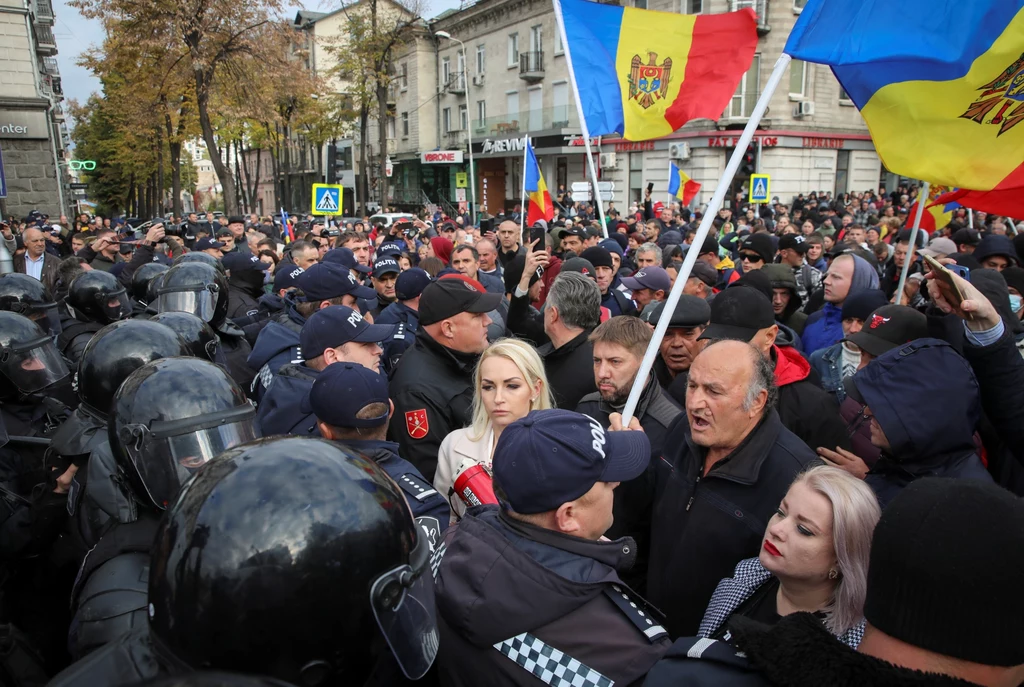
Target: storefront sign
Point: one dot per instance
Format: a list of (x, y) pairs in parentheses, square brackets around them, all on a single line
[(441, 157), (503, 145), (633, 146), (573, 141), (732, 141), (832, 143), (23, 124)]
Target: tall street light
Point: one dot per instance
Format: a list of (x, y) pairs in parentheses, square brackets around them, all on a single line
[(469, 121)]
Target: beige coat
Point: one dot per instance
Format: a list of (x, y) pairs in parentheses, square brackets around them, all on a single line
[(455, 448)]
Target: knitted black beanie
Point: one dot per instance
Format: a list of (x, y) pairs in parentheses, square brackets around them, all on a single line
[(947, 561)]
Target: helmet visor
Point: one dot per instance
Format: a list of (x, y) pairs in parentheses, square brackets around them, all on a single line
[(200, 301), (171, 452), (46, 316), (114, 306), (33, 365), (403, 605)]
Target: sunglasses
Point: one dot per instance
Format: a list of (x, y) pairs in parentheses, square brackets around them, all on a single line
[(87, 165), (751, 258)]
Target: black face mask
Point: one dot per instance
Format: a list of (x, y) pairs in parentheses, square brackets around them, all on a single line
[(251, 281)]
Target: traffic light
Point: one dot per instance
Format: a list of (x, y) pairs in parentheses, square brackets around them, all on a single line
[(748, 165), (332, 156)]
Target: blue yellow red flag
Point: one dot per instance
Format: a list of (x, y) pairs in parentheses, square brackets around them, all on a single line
[(936, 214), (643, 74), (539, 204), (286, 229), (680, 185), (942, 89)]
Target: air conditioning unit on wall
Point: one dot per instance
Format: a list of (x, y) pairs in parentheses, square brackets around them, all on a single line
[(679, 151), (608, 160), (804, 109), (478, 79)]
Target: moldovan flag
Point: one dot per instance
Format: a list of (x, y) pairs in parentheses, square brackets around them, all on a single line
[(680, 185), (540, 206), (942, 89), (643, 74), (936, 215)]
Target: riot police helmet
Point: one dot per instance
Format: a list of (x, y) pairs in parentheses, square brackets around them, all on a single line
[(115, 352), (28, 296), (142, 277), (194, 287), (199, 256), (29, 359), (200, 337), (169, 418), (292, 557), (99, 296)]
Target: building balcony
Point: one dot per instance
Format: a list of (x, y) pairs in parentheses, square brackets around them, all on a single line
[(456, 83), (42, 11), (531, 66), (45, 41), (760, 8), (455, 139), (527, 122)]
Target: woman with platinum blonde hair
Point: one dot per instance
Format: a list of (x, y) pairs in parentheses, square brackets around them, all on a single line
[(509, 382), (814, 558)]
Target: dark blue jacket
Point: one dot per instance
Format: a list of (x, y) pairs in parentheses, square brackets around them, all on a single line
[(490, 282), (823, 328), (828, 363), (275, 347), (424, 500), (284, 408), (398, 313), (927, 401)]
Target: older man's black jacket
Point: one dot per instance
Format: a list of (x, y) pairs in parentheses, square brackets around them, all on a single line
[(703, 525)]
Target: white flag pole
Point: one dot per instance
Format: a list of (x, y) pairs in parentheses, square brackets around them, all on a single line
[(922, 200), (705, 227), (579, 111), (522, 215)]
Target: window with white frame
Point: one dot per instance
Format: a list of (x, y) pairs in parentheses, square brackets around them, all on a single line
[(403, 78), (797, 78), (481, 112), (536, 38), (481, 58), (446, 70), (743, 101), (405, 124), (513, 50), (391, 126), (446, 119), (463, 118)]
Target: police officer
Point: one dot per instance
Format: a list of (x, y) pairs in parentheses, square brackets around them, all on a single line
[(245, 283), (27, 296), (254, 570), (141, 280), (203, 291), (95, 299), (555, 472), (405, 312), (385, 273), (169, 418), (336, 334), (433, 385), (352, 407), (322, 285)]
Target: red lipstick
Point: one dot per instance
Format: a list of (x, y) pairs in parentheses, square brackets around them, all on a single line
[(770, 548)]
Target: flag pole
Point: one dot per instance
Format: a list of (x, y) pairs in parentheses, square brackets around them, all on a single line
[(702, 231), (922, 198), (970, 218), (525, 208), (579, 111)]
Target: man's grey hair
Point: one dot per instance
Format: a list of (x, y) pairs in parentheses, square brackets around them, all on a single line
[(650, 248), (762, 379), (578, 299)]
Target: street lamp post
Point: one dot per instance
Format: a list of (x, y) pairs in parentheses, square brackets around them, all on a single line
[(469, 122)]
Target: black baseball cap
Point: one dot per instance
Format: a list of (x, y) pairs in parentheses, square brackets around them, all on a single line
[(286, 277), (581, 265), (448, 297), (572, 231), (710, 245), (965, 236), (739, 314), (346, 258), (206, 243), (341, 390), (385, 265), (411, 283), (241, 262), (325, 280), (795, 242), (705, 272), (224, 231), (551, 457), (335, 325), (888, 327)]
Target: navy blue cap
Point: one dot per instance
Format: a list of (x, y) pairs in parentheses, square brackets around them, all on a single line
[(335, 325), (205, 243), (551, 457), (390, 248), (345, 257), (240, 262), (341, 390), (411, 283), (286, 276), (385, 265), (325, 280)]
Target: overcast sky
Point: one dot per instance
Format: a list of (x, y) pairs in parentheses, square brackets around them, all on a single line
[(76, 34)]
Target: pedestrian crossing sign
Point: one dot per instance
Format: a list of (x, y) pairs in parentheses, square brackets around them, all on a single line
[(759, 188), (326, 199)]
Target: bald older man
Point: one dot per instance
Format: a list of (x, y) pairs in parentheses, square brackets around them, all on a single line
[(35, 261), (728, 462)]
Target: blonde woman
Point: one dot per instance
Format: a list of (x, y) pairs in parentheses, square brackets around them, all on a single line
[(509, 382), (814, 558)]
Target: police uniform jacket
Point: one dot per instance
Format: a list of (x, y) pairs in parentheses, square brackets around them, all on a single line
[(521, 605), (432, 389)]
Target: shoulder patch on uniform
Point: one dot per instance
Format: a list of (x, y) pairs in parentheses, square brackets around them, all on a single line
[(416, 487), (400, 331), (416, 423), (638, 611)]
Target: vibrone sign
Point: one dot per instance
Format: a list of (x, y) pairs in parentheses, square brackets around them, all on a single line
[(441, 157)]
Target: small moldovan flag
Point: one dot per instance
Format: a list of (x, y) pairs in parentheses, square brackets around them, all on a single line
[(680, 185)]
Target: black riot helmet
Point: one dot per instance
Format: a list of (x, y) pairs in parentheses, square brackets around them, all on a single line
[(199, 336), (281, 556), (27, 296), (115, 352), (196, 288), (199, 256), (169, 418), (98, 296), (142, 277), (29, 359)]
